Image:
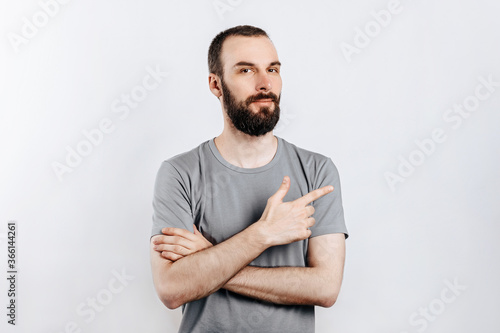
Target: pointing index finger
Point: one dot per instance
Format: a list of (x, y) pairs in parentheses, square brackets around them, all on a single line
[(314, 195)]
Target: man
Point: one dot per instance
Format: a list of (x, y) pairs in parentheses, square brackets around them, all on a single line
[(234, 240)]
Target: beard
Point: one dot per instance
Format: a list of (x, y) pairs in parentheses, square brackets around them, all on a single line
[(245, 120)]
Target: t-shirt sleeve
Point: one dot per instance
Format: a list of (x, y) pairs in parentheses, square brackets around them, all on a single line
[(171, 201), (329, 213)]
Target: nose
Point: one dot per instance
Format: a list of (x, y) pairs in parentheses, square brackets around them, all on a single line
[(263, 82)]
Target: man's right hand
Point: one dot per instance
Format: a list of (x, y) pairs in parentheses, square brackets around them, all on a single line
[(288, 222)]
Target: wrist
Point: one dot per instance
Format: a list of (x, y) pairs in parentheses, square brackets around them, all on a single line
[(259, 235)]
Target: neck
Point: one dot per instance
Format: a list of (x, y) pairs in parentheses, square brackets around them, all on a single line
[(246, 151)]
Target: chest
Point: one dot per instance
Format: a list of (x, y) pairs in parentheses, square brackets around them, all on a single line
[(229, 203)]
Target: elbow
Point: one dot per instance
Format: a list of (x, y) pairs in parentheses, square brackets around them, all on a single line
[(168, 296), (328, 300), (329, 293), (170, 300), (172, 304)]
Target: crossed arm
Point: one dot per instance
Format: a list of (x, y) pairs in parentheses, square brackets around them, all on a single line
[(187, 267), (317, 284)]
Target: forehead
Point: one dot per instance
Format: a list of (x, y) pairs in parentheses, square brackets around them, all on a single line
[(258, 50)]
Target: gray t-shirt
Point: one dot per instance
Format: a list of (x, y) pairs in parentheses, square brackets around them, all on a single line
[(200, 187)]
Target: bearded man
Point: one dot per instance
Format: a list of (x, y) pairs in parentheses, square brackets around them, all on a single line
[(248, 229)]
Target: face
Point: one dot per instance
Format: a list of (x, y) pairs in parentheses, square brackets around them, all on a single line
[(251, 84)]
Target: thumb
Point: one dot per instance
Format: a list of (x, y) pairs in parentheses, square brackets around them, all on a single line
[(196, 232), (283, 190)]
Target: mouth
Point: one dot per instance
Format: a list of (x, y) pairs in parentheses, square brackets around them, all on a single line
[(265, 101)]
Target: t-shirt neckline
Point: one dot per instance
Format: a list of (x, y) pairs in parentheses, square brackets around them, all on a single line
[(228, 165)]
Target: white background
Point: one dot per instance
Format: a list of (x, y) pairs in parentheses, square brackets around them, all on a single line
[(365, 111)]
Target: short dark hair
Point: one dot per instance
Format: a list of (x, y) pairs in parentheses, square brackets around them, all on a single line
[(214, 61)]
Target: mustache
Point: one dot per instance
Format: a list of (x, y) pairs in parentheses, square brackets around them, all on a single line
[(254, 98)]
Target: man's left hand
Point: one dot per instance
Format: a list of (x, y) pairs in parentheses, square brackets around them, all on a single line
[(177, 243)]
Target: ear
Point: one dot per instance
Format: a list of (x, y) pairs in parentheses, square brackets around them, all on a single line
[(214, 85)]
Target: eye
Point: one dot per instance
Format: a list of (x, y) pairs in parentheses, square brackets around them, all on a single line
[(275, 70), (245, 70)]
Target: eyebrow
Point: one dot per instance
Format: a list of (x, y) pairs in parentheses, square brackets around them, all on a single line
[(246, 63)]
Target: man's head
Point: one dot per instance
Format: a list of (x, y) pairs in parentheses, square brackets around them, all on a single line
[(245, 75)]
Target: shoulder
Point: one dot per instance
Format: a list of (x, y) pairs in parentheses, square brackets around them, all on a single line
[(307, 158), (318, 168), (185, 163)]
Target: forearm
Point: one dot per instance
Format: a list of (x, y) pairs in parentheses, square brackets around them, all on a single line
[(284, 285), (204, 272)]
